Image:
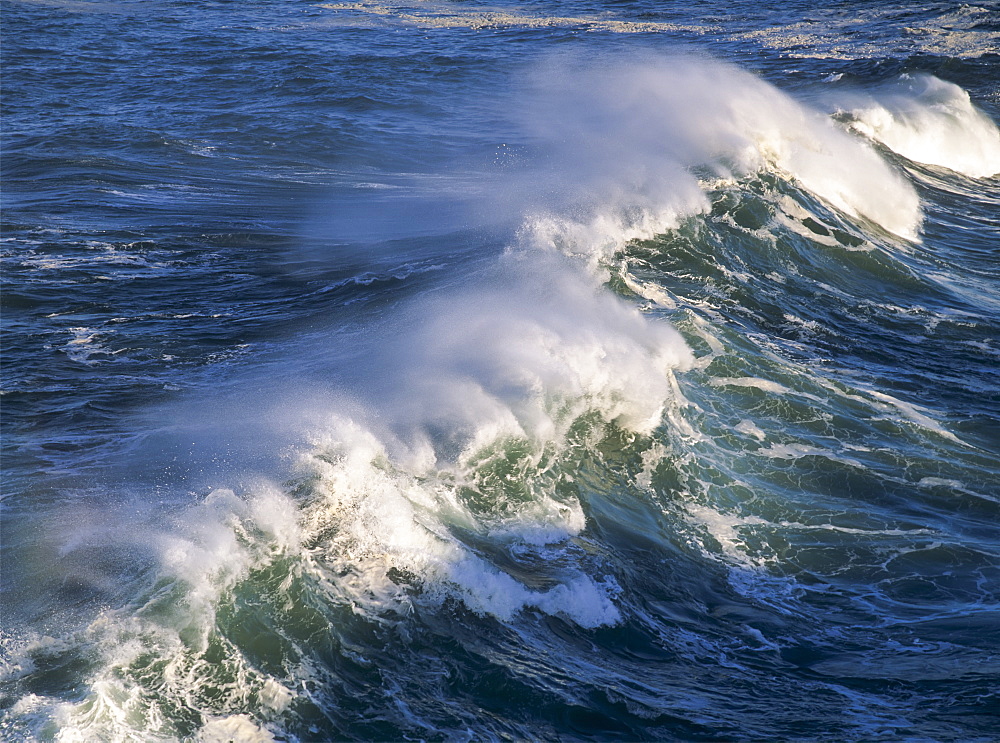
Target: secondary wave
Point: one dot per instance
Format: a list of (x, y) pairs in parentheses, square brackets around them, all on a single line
[(927, 120)]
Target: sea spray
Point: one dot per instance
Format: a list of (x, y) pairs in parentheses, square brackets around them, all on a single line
[(629, 140), (168, 650), (501, 502), (927, 120), (475, 417)]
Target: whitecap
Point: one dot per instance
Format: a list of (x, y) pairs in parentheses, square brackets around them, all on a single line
[(927, 120)]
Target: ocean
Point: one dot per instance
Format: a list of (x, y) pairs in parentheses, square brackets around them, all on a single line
[(466, 371)]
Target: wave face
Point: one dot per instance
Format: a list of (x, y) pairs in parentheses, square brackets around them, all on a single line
[(378, 372)]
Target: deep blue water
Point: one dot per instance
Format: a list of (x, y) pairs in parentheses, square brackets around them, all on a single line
[(460, 371)]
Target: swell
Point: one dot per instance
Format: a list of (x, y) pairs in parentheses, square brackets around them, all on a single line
[(672, 427)]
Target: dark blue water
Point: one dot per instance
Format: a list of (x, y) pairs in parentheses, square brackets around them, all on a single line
[(453, 371)]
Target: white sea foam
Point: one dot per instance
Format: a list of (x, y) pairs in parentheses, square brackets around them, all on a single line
[(624, 139), (766, 385), (798, 451), (530, 352), (914, 414), (929, 121), (381, 518), (957, 486), (85, 344), (749, 428), (650, 291), (534, 352), (829, 33), (234, 728), (448, 456), (725, 530), (431, 15), (214, 547), (849, 530), (476, 393)]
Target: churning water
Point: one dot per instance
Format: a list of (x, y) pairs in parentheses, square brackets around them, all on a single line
[(451, 371)]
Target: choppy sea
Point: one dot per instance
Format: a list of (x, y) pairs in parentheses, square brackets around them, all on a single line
[(473, 371)]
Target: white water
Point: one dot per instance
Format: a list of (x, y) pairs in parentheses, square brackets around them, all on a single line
[(631, 143), (508, 363), (503, 368), (926, 120)]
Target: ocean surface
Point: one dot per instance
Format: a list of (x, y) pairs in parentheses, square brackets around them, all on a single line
[(466, 371)]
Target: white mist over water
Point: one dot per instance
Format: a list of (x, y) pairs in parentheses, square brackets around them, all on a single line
[(449, 451), (926, 120), (502, 369), (630, 140), (471, 413)]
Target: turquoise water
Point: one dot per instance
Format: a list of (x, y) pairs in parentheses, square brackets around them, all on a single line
[(450, 371)]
